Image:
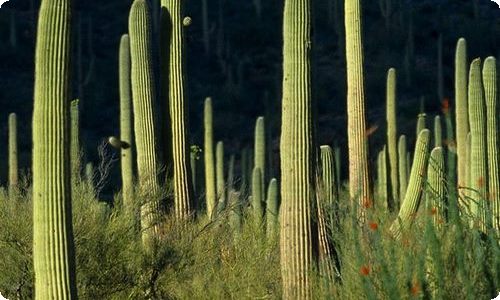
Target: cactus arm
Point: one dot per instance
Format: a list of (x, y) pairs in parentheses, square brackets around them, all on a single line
[(392, 136)]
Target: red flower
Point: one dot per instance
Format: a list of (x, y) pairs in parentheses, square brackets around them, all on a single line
[(364, 270), (415, 288), (446, 105), (373, 226)]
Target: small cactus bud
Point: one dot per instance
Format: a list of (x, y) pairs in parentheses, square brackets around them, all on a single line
[(187, 21), (116, 143)]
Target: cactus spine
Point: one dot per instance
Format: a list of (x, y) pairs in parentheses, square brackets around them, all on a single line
[(359, 188), (53, 247), (435, 196), (75, 140), (438, 132), (478, 166), (403, 170), (219, 175), (209, 159), (178, 103), (461, 115), (492, 129), (143, 95), (272, 208), (258, 210), (413, 194), (126, 122), (260, 149), (13, 161), (392, 136), (297, 152)]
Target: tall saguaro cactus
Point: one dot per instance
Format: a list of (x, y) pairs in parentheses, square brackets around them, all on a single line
[(53, 248), (461, 112), (178, 103), (297, 152), (143, 95), (359, 188), (209, 158), (392, 136), (126, 122), (75, 149), (492, 129), (13, 161), (478, 156), (260, 148)]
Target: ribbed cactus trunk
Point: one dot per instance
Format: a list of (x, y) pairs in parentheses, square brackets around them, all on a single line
[(272, 209), (403, 170), (478, 156), (409, 206), (438, 132), (359, 184), (461, 110), (210, 190), (126, 124), (53, 248), (13, 160), (219, 175), (383, 191), (435, 187), (392, 137), (260, 149), (257, 192), (178, 103), (328, 188), (75, 141), (421, 123), (297, 152), (490, 81), (143, 95)]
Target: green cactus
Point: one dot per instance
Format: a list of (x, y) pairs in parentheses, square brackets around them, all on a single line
[(260, 149), (492, 129), (461, 109), (75, 149), (143, 95), (413, 194), (210, 184), (328, 180), (382, 179), (257, 207), (89, 172), (478, 156), (338, 169), (438, 132), (296, 152), (466, 195), (421, 123), (392, 137), (235, 210), (359, 184), (230, 172), (451, 164), (53, 246), (272, 209), (13, 160), (403, 171), (435, 189), (172, 23), (219, 175), (126, 134), (193, 158)]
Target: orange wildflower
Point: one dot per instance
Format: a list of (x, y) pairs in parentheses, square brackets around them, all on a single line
[(446, 105), (373, 226), (415, 288), (364, 270), (433, 211)]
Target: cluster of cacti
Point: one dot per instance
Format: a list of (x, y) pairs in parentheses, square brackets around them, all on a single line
[(53, 253)]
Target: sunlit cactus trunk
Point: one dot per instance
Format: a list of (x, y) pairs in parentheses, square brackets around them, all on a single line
[(257, 192), (421, 123), (411, 201), (403, 170), (143, 95), (172, 24), (382, 177), (210, 189), (126, 124), (478, 155), (359, 185), (461, 110), (297, 152), (75, 149), (260, 149), (490, 81), (435, 187), (53, 248), (438, 132), (13, 158), (272, 209), (392, 137)]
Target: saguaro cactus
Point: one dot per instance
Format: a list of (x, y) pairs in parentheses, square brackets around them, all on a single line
[(13, 161), (53, 248), (413, 194), (260, 148), (478, 156), (359, 188), (438, 132), (392, 136), (492, 129), (297, 152), (258, 210), (75, 149), (272, 208), (219, 175), (143, 95), (421, 123), (209, 158), (382, 176), (435, 188), (328, 180), (172, 23), (126, 122), (403, 170), (461, 112)]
